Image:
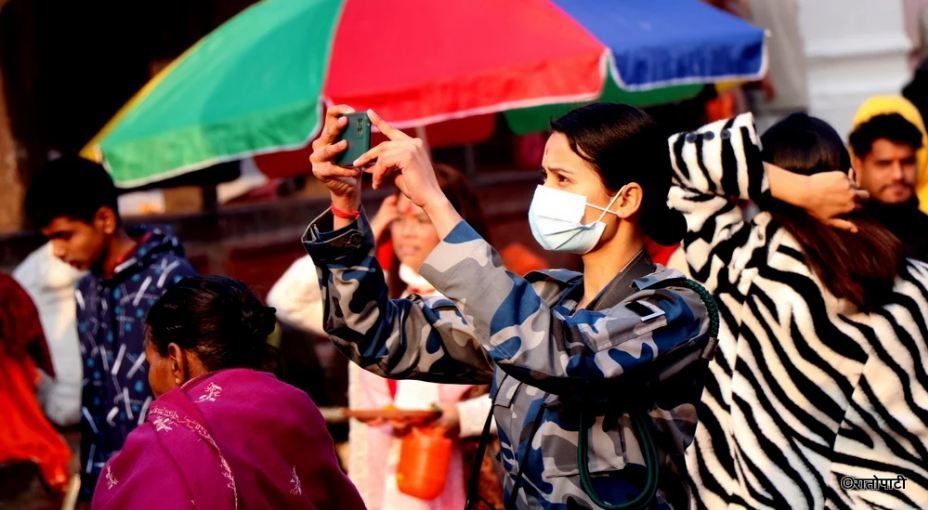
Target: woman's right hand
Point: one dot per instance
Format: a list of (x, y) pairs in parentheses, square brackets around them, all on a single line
[(344, 183)]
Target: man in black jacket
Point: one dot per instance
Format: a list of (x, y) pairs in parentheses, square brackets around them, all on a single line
[(885, 159)]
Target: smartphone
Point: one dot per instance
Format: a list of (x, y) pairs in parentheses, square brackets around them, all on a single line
[(358, 134)]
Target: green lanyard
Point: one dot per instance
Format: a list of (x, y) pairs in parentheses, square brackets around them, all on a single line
[(648, 451)]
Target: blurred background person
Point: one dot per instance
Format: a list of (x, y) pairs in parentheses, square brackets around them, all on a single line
[(73, 202), (51, 284), (375, 445), (891, 163)]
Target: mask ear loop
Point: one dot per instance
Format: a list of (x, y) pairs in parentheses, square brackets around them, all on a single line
[(608, 206)]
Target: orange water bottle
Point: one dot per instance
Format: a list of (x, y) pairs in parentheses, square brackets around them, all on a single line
[(425, 454)]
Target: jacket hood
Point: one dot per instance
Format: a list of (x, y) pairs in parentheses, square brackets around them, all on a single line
[(155, 242)]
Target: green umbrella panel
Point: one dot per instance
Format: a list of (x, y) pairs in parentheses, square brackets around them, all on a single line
[(233, 91)]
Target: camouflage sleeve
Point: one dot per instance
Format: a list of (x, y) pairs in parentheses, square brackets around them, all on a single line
[(547, 346), (412, 338)]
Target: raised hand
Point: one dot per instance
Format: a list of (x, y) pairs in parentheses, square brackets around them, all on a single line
[(826, 196), (405, 160), (344, 183), (831, 195)]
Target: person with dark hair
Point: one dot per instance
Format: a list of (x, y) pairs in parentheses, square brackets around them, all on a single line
[(596, 374), (889, 155), (222, 433), (822, 351), (73, 202)]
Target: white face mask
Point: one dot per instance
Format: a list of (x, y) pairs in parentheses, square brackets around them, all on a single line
[(556, 219)]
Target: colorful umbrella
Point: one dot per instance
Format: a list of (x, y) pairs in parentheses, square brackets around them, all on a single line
[(257, 84)]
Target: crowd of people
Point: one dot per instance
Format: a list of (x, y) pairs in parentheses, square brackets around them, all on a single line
[(780, 362)]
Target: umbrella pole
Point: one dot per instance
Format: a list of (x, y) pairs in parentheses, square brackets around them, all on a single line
[(470, 160), (210, 198)]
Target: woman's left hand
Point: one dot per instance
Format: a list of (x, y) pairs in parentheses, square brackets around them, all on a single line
[(406, 160), (826, 196), (830, 195)]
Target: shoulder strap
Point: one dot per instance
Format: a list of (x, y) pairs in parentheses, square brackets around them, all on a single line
[(473, 493)]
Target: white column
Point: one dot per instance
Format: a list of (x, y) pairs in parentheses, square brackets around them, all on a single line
[(854, 49)]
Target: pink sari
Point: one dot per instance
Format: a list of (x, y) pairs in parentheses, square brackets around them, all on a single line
[(230, 439)]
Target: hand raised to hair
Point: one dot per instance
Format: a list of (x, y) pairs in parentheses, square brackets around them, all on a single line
[(826, 196), (831, 195)]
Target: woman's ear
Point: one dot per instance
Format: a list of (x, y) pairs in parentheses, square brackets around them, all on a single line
[(179, 368), (629, 200)]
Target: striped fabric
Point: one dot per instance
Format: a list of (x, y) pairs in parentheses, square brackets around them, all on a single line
[(810, 403)]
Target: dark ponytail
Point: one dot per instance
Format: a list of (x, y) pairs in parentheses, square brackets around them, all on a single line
[(218, 318), (626, 145), (860, 267)]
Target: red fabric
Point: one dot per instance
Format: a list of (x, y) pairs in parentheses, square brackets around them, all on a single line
[(462, 57), (391, 385), (384, 253), (346, 215), (521, 260), (660, 254), (20, 329), (25, 433)]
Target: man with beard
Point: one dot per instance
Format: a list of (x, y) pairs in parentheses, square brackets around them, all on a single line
[(885, 157)]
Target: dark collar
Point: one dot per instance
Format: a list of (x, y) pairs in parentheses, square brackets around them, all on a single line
[(903, 209), (622, 285)]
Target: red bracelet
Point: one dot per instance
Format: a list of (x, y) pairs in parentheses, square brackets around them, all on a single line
[(347, 215)]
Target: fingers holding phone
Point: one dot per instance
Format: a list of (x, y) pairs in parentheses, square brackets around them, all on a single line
[(357, 137), (344, 147), (404, 160), (344, 184)]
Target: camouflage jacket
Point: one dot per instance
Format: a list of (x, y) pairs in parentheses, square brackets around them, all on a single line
[(547, 361)]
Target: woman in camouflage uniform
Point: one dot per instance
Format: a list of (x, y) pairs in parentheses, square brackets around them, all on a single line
[(595, 375)]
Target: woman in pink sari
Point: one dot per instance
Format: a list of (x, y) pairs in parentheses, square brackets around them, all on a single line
[(221, 434)]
